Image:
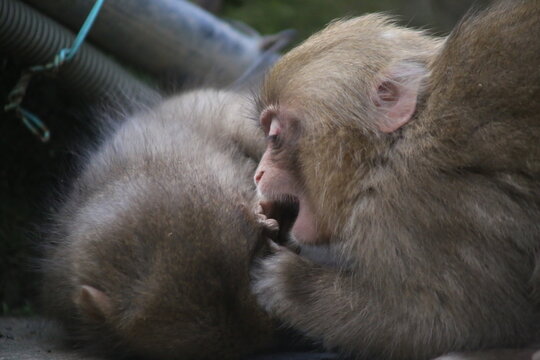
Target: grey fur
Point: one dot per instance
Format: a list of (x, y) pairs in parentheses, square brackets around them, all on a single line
[(160, 220)]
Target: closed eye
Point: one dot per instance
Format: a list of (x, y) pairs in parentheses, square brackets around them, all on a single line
[(275, 141)]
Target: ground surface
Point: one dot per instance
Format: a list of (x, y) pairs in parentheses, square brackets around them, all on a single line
[(34, 338)]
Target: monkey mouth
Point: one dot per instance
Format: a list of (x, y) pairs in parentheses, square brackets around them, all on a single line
[(285, 211)]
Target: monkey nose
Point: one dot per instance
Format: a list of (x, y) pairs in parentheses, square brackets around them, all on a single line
[(258, 176)]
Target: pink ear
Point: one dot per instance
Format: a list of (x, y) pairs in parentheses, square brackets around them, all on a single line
[(93, 303), (396, 95)]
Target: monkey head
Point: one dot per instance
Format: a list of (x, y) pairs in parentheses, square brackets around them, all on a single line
[(166, 284), (329, 110), (152, 247)]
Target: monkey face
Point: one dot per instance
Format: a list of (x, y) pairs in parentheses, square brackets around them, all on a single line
[(330, 110), (279, 179)]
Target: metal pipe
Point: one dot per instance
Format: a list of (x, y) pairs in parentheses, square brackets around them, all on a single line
[(163, 36)]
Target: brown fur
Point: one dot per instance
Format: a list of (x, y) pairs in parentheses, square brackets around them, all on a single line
[(159, 227), (435, 226)]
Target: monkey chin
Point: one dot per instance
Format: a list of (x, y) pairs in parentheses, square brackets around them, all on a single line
[(304, 229)]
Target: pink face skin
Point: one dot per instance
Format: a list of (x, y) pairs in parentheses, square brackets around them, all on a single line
[(275, 183)]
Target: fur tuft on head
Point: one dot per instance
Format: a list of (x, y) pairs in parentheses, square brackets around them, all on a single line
[(333, 74)]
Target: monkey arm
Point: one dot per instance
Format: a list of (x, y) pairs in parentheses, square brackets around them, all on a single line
[(321, 301), (344, 308)]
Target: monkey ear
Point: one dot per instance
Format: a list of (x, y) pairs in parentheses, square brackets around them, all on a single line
[(396, 95), (93, 303)]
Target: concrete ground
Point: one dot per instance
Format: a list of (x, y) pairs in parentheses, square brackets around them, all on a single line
[(35, 338)]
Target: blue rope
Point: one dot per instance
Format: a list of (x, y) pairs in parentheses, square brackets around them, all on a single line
[(35, 125), (15, 97), (68, 54)]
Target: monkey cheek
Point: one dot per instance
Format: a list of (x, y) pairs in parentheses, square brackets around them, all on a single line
[(304, 230)]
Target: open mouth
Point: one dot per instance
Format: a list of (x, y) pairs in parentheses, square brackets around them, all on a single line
[(284, 210)]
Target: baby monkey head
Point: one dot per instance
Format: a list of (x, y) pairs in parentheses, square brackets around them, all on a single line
[(165, 274), (330, 109)]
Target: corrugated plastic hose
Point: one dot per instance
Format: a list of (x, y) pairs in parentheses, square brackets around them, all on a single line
[(35, 39)]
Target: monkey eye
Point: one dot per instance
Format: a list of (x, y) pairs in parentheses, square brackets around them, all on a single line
[(273, 139)]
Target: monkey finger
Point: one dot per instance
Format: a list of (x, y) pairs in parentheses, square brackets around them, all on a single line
[(259, 210), (261, 217), (271, 225), (266, 207), (274, 247)]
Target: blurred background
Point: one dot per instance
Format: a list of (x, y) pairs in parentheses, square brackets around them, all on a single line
[(308, 16), (33, 174)]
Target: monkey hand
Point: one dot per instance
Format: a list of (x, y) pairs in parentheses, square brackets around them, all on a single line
[(269, 278), (270, 226), (308, 296)]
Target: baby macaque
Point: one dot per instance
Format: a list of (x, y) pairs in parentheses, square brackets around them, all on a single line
[(151, 248), (416, 162)]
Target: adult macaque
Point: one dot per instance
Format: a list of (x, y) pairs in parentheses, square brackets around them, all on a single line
[(418, 164), (151, 249)]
